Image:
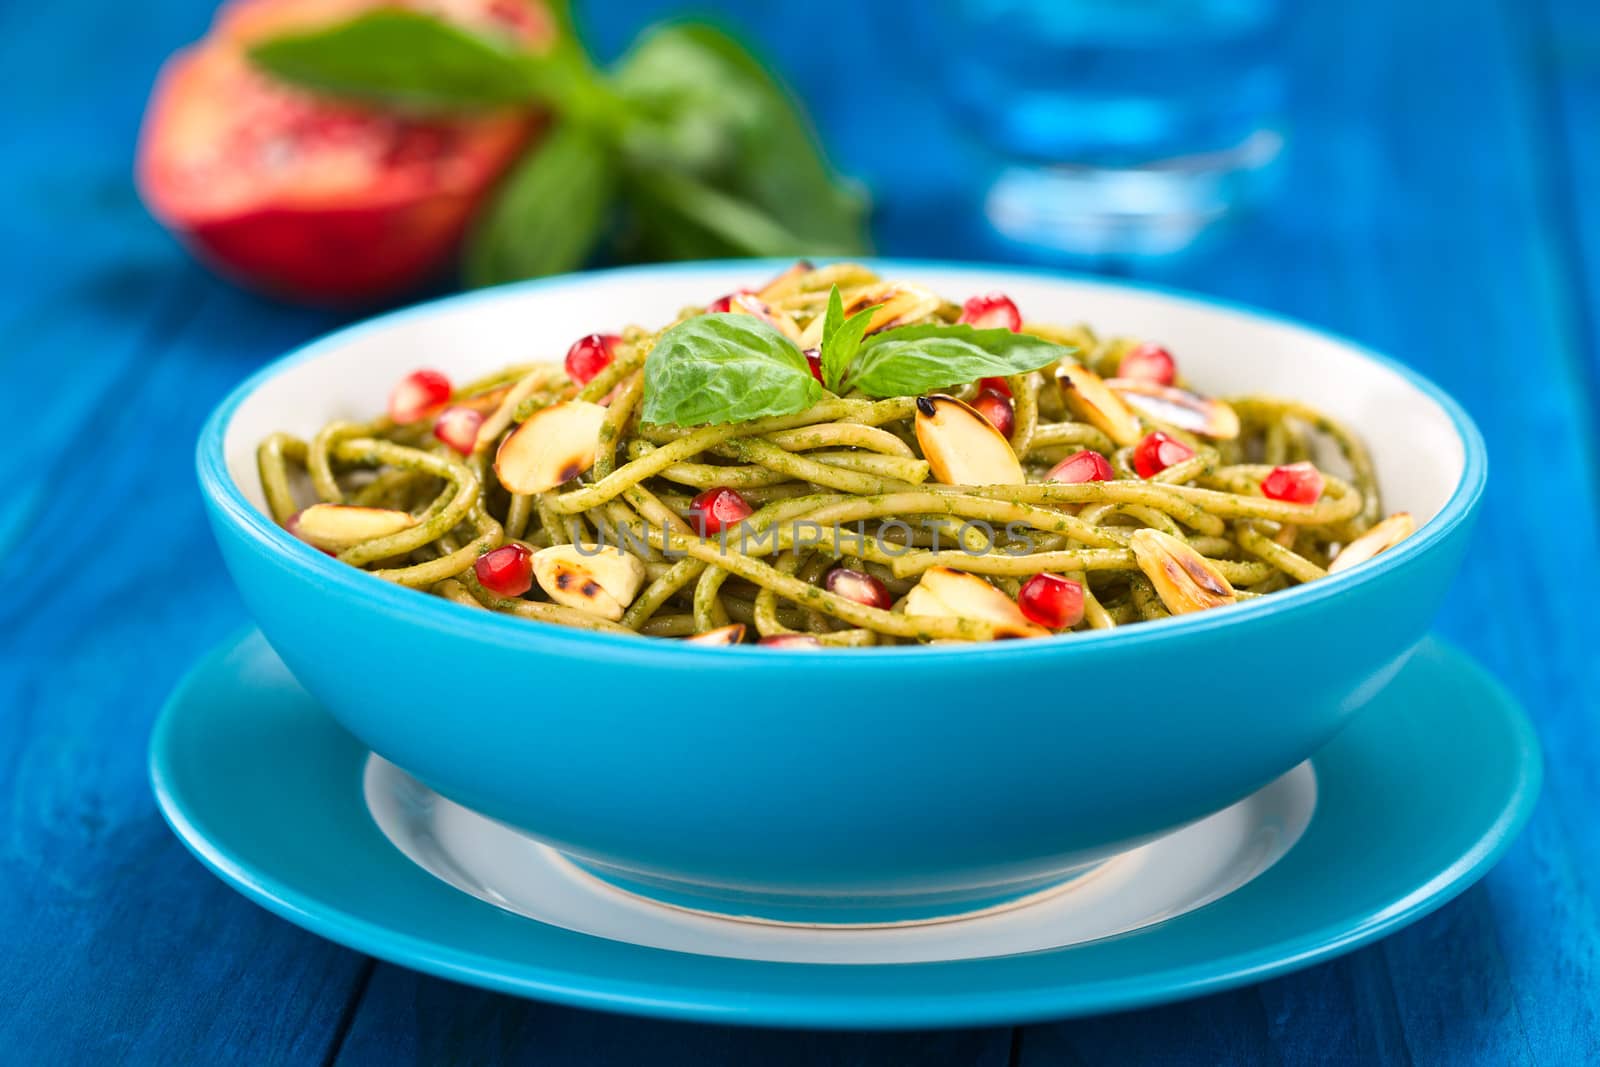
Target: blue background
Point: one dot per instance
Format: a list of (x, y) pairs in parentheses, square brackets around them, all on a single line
[(1436, 204)]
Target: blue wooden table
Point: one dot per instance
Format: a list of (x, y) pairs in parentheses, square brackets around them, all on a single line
[(1439, 203)]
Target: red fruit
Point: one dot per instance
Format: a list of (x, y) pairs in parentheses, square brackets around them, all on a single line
[(997, 409), (507, 571), (458, 428), (1080, 467), (1298, 483), (857, 586), (417, 396), (723, 304), (1148, 363), (325, 201), (1051, 601), (590, 355), (992, 312), (814, 361), (1157, 452), (995, 385), (717, 509)]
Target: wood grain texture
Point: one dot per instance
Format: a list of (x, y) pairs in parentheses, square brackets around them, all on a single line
[(1437, 204)]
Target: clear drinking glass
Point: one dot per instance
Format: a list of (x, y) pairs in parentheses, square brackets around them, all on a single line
[(1127, 126)]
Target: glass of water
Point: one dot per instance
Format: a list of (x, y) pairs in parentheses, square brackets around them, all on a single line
[(1127, 126)]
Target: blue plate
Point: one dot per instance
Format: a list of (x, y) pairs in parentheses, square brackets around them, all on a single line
[(1416, 799)]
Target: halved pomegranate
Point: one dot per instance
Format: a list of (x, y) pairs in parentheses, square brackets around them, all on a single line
[(322, 201)]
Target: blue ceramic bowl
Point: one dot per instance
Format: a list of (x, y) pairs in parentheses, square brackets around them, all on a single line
[(843, 786)]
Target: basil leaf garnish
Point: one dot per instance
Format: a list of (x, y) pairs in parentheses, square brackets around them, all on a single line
[(911, 360), (841, 339), (725, 368)]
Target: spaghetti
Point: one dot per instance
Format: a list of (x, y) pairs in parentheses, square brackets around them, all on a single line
[(1114, 499)]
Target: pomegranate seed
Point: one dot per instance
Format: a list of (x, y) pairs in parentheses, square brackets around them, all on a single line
[(997, 409), (862, 588), (458, 428), (716, 509), (995, 385), (1051, 601), (418, 395), (992, 312), (1157, 452), (1148, 363), (1298, 483), (1080, 467), (590, 355), (790, 641), (814, 361), (723, 304), (507, 571)]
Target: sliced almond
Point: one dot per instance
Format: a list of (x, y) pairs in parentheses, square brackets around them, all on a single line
[(962, 447), (1385, 535), (751, 304), (901, 304), (1187, 411), (1184, 579), (723, 635), (1093, 401), (554, 446), (844, 275), (336, 527), (593, 578), (785, 284), (487, 401), (947, 593), (897, 303)]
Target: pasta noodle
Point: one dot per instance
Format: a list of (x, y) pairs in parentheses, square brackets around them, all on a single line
[(846, 486)]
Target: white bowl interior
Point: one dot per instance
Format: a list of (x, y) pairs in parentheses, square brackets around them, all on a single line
[(1419, 455)]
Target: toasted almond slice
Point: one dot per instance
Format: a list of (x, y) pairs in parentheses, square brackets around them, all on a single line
[(1384, 535), (961, 446), (751, 304), (336, 527), (1184, 579), (1093, 401), (723, 635), (844, 275), (554, 446), (785, 284), (487, 401), (901, 304), (949, 593), (1187, 411), (593, 578)]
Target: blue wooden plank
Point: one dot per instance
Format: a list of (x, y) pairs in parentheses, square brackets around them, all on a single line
[(407, 1017), (1436, 214), (119, 947), (1416, 215)]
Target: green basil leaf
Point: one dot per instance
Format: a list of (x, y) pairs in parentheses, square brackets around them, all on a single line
[(401, 58), (704, 107), (548, 214), (841, 339), (911, 360), (725, 368)]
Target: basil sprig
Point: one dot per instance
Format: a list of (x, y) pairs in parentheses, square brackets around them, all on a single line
[(841, 339), (910, 360), (720, 368), (725, 368), (687, 149)]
